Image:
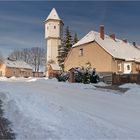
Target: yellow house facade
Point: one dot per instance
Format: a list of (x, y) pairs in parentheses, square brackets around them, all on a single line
[(105, 53)]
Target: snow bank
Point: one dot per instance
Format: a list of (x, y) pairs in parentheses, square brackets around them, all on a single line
[(133, 92), (32, 80), (130, 85), (18, 79), (134, 89), (13, 77), (101, 84), (3, 79)]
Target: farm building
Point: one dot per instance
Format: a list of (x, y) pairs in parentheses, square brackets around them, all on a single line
[(15, 68), (53, 70)]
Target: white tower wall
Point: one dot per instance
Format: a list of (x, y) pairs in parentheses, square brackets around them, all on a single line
[(52, 49), (53, 35)]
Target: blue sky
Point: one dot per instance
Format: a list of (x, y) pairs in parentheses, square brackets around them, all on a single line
[(21, 23)]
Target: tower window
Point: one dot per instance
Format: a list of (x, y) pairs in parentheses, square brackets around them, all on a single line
[(47, 27), (54, 27)]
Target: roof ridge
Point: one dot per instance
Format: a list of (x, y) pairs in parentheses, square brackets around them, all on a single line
[(117, 48)]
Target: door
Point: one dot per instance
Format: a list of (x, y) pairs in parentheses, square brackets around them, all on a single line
[(127, 68)]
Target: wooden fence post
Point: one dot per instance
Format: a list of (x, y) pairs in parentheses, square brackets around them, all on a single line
[(72, 76)]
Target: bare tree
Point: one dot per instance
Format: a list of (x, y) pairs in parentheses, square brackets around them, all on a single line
[(15, 55), (25, 55), (38, 58), (1, 58)]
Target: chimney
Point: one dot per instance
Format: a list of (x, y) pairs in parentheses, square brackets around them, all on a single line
[(134, 44), (124, 40), (112, 36), (102, 31)]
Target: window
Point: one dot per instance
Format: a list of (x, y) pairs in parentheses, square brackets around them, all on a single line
[(119, 67), (137, 67), (47, 27), (81, 52), (54, 27), (128, 67), (14, 72)]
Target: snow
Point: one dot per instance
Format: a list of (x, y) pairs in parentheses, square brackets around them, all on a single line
[(86, 39), (101, 84), (130, 85), (116, 48), (55, 66), (47, 109), (3, 78), (17, 64), (32, 80)]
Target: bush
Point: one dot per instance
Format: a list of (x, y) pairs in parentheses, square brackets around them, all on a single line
[(63, 77), (85, 76)]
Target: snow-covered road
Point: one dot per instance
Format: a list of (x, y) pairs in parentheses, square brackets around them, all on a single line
[(47, 109)]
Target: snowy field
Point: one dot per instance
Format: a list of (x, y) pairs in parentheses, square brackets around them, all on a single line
[(47, 109)]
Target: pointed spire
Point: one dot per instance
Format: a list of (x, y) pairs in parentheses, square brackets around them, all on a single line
[(53, 15)]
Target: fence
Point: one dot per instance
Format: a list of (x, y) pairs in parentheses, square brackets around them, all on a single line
[(38, 74), (125, 78), (113, 79)]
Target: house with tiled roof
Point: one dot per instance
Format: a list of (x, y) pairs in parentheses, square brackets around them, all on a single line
[(105, 53), (17, 68)]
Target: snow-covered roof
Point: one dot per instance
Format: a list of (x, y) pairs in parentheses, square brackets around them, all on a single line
[(117, 48), (53, 15), (17, 64), (55, 66)]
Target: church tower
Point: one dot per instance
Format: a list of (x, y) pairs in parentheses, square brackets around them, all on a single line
[(53, 35)]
